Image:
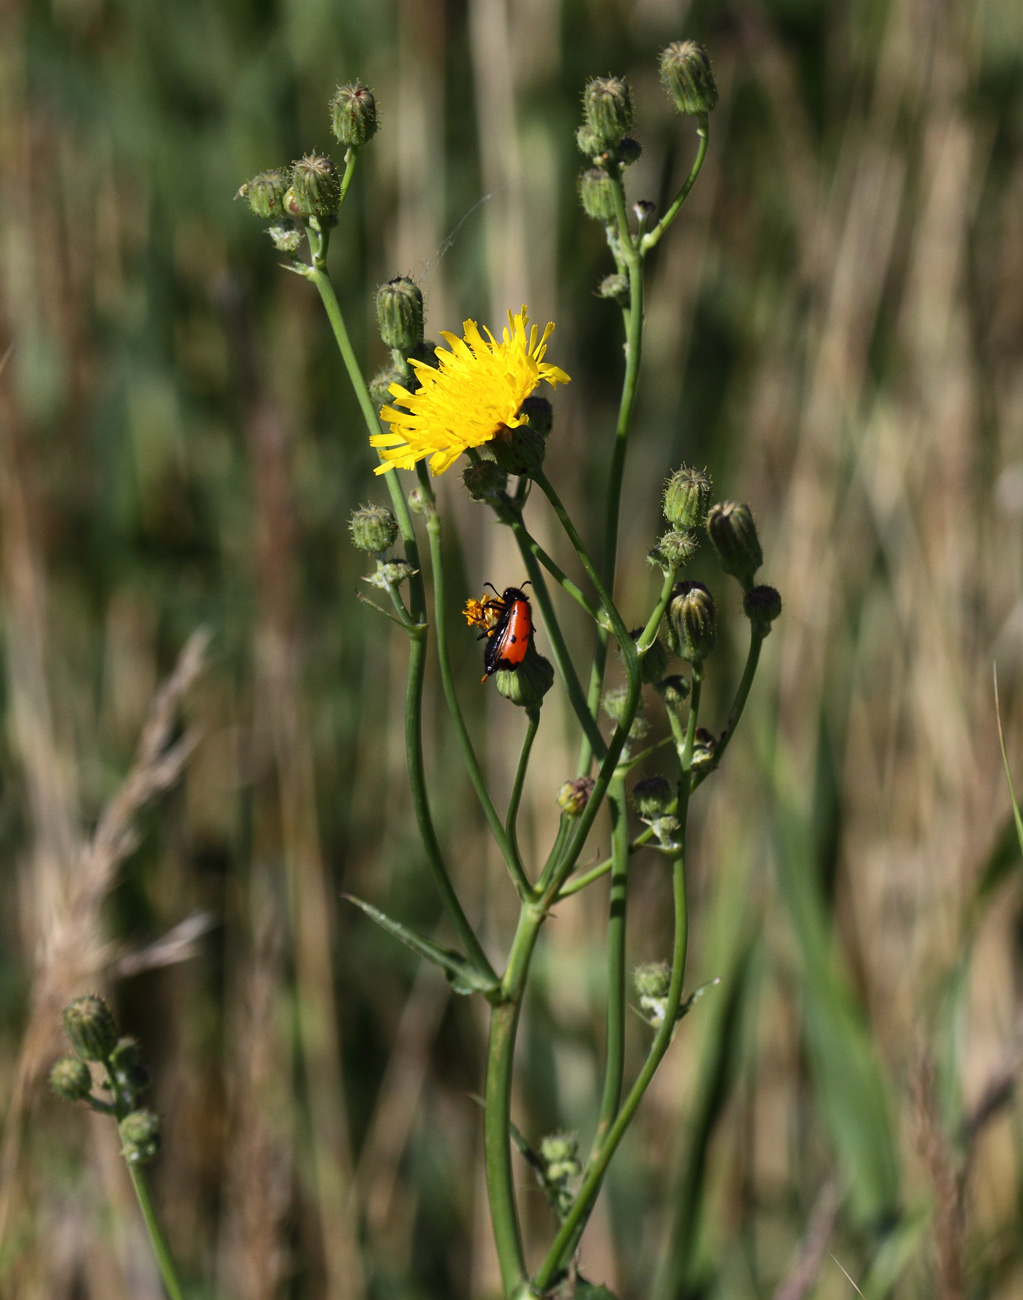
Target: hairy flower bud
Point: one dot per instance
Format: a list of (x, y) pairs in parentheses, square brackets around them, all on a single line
[(614, 706), (140, 1137), (70, 1079), (617, 287), (91, 1027), (652, 979), (485, 480), (674, 690), (353, 114), (734, 535), (520, 450), (390, 573), (693, 620), (316, 186), (687, 77), (761, 605), (607, 106), (686, 497), (527, 684), (653, 797), (265, 193), (587, 143), (575, 795), (400, 313), (380, 385), (286, 236), (597, 195), (674, 549), (560, 1154), (538, 413), (629, 150), (373, 528)]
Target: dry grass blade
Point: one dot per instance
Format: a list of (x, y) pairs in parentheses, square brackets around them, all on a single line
[(813, 1246)]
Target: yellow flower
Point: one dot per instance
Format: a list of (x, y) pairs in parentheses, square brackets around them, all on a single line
[(475, 391), (478, 615)]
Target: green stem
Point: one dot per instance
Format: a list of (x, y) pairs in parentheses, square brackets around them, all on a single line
[(504, 843), (738, 704), (557, 573), (614, 1065), (520, 778), (164, 1259), (652, 238)]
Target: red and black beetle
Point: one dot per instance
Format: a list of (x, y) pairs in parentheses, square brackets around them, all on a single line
[(512, 631)]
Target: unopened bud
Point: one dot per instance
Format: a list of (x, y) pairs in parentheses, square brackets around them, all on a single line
[(140, 1137), (704, 745), (607, 105), (527, 684), (734, 534), (686, 76), (400, 313), (597, 195), (686, 497), (91, 1027), (538, 414), (560, 1154), (761, 605), (373, 528), (128, 1070), (70, 1079), (614, 706), (653, 797), (353, 114), (380, 385), (286, 236), (675, 549), (265, 193), (693, 621), (426, 352), (652, 979), (674, 690), (485, 480), (390, 573), (316, 186), (615, 286), (520, 450), (629, 150), (417, 502), (575, 795)]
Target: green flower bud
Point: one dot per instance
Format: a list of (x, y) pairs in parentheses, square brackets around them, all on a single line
[(265, 193), (616, 287), (686, 76), (652, 979), (91, 1027), (686, 497), (587, 143), (70, 1079), (539, 414), (527, 684), (761, 605), (575, 795), (128, 1070), (653, 797), (390, 573), (400, 313), (353, 114), (704, 744), (485, 480), (559, 1152), (693, 620), (286, 237), (597, 195), (734, 535), (417, 502), (140, 1137), (380, 385), (373, 529), (674, 549), (607, 105), (520, 450), (629, 151), (614, 706), (674, 690), (316, 186)]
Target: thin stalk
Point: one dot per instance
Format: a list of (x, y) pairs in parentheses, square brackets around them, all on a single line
[(614, 1064), (557, 573), (164, 1259), (504, 843), (520, 778), (738, 704), (653, 237)]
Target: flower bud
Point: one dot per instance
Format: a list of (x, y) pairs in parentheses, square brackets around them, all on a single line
[(527, 684), (140, 1137), (674, 690), (286, 237), (617, 287), (629, 150), (704, 744), (265, 193), (652, 979), (128, 1070), (390, 573), (91, 1027), (674, 549), (587, 143), (686, 76), (70, 1079), (417, 502), (373, 528), (614, 706), (485, 480), (575, 795), (520, 450), (734, 535), (317, 186), (353, 114), (560, 1154), (607, 106), (400, 313), (761, 605), (597, 195), (653, 797), (693, 620), (686, 497), (538, 414), (380, 385)]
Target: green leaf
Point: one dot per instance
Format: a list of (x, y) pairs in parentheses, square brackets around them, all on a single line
[(462, 975), (1008, 773)]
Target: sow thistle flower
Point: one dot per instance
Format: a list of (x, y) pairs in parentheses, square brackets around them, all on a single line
[(473, 395)]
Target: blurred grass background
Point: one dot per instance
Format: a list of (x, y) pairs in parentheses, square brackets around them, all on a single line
[(835, 328)]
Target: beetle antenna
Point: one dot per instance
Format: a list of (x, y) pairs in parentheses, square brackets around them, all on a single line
[(493, 589)]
